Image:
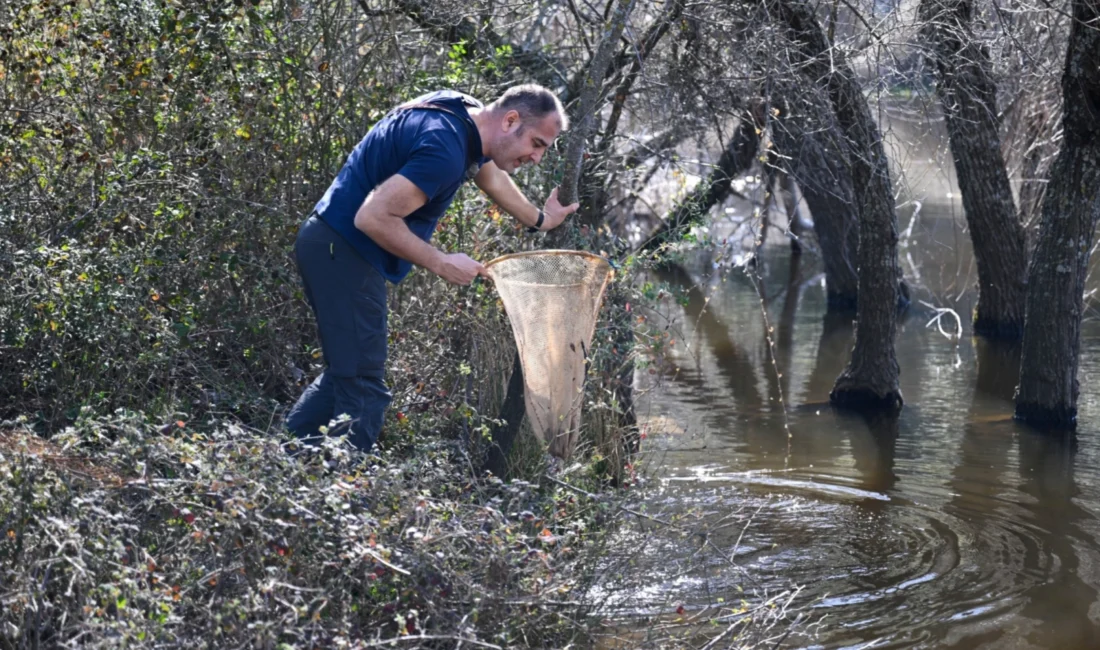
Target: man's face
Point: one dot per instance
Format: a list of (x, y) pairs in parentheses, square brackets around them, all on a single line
[(521, 144)]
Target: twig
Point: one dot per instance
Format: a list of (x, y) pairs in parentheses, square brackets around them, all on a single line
[(435, 637), (938, 318), (623, 508), (383, 562), (721, 636)]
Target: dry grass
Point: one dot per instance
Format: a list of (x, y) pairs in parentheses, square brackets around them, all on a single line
[(16, 442)]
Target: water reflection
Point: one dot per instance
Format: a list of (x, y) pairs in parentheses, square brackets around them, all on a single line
[(947, 525), (833, 351), (873, 447), (1068, 596), (733, 362)]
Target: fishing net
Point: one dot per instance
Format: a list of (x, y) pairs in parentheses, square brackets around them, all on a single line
[(552, 299)]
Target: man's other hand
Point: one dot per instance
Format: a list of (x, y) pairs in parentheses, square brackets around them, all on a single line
[(554, 212), (458, 268)]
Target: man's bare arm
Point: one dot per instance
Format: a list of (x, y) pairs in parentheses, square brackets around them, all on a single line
[(499, 187), (382, 218)]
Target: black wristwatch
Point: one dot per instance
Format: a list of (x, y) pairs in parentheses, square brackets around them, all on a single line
[(538, 224)]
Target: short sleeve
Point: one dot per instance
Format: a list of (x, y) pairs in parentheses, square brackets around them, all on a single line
[(435, 162)]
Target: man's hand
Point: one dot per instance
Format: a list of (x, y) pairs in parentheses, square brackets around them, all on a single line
[(503, 191), (457, 268), (554, 212)]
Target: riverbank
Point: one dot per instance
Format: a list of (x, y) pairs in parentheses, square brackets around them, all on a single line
[(121, 533)]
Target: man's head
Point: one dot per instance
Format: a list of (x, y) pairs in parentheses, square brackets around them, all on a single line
[(521, 125)]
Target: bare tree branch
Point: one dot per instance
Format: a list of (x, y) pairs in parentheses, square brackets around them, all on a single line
[(591, 90)]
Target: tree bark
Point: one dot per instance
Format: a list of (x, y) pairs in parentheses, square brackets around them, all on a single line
[(590, 93), (511, 419), (735, 159), (818, 160), (967, 94), (871, 379), (1047, 395)]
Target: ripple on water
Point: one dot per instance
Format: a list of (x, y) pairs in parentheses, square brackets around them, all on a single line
[(890, 569)]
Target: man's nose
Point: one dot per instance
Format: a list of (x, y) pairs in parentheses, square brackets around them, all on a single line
[(536, 157)]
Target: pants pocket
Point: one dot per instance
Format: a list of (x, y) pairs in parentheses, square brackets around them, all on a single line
[(348, 297), (370, 331)]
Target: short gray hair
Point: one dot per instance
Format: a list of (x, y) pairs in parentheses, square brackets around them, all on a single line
[(533, 102)]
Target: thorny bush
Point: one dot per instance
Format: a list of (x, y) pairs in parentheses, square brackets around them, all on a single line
[(230, 538)]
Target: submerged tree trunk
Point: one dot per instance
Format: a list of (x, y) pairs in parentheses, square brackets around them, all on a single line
[(968, 97), (1047, 395), (818, 160), (871, 379)]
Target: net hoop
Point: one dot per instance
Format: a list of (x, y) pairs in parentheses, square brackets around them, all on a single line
[(551, 251)]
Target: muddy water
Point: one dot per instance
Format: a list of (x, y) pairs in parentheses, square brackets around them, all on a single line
[(949, 526)]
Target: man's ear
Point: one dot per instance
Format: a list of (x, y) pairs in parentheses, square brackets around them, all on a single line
[(511, 121)]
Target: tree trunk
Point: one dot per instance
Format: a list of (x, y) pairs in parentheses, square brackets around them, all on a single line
[(1047, 395), (511, 419), (871, 378), (599, 185), (737, 158), (968, 97), (620, 363), (619, 369), (646, 45), (818, 160), (791, 195), (590, 93)]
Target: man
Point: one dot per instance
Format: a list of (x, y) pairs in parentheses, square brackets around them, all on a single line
[(376, 221)]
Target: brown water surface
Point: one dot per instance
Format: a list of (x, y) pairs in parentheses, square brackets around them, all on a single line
[(949, 526)]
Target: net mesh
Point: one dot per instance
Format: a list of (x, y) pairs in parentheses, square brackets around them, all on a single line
[(552, 299)]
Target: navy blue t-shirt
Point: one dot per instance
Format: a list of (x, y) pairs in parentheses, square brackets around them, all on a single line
[(431, 148)]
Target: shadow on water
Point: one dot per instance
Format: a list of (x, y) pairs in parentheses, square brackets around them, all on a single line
[(948, 525)]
